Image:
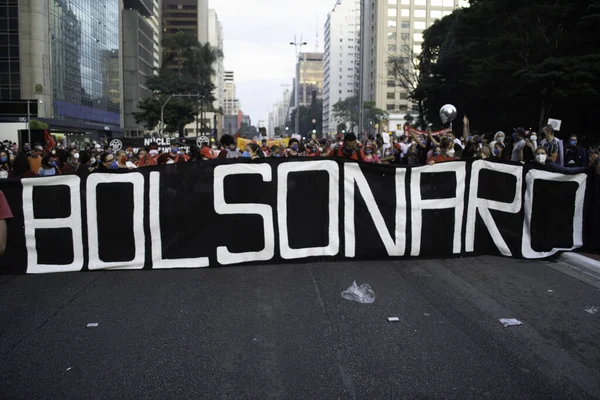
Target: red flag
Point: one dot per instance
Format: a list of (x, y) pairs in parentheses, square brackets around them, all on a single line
[(50, 143)]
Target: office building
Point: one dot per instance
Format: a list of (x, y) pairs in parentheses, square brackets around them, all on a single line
[(141, 56), (231, 104), (341, 58), (309, 72), (186, 15), (66, 55), (394, 28)]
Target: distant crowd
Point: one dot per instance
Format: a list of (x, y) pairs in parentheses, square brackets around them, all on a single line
[(412, 148)]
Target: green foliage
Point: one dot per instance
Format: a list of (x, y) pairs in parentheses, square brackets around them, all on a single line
[(341, 127), (518, 62), (347, 111), (187, 69), (35, 124), (307, 114)]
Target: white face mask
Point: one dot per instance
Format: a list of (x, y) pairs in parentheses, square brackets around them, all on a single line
[(92, 160), (214, 147), (540, 158), (413, 143), (451, 152), (534, 138), (153, 153), (76, 156), (501, 139)]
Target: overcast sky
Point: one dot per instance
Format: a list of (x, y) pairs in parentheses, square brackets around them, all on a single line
[(257, 34)]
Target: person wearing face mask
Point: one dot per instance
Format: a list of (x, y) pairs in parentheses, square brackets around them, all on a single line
[(550, 143), (264, 147), (350, 148), (83, 164), (518, 146), (312, 150), (123, 161), (5, 168), (275, 152), (388, 156), (174, 156), (35, 160), (108, 162), (248, 153), (531, 145), (144, 159), (49, 167), (540, 156), (575, 155), (435, 152), (370, 156), (293, 149), (446, 152), (499, 138), (229, 149)]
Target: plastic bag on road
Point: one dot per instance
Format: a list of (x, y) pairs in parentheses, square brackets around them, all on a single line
[(361, 294)]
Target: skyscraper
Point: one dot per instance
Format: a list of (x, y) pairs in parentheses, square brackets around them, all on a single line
[(231, 103), (141, 56), (394, 28), (309, 72), (66, 55), (342, 58)]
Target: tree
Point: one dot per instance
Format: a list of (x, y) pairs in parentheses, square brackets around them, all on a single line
[(307, 114), (342, 128), (518, 62), (187, 68), (346, 111), (404, 71)]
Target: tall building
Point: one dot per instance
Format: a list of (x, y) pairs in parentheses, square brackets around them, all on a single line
[(215, 38), (230, 101), (186, 15), (341, 59), (309, 72), (278, 116), (394, 28), (65, 54), (141, 56)]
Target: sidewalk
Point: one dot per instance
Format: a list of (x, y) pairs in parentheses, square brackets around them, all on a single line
[(587, 263)]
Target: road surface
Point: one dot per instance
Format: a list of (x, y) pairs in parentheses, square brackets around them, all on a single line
[(285, 332)]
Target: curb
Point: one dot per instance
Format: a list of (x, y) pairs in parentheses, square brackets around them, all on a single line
[(585, 264)]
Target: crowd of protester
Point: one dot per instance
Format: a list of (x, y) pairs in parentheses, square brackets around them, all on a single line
[(413, 148)]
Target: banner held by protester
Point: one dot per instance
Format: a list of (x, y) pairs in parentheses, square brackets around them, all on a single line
[(228, 212)]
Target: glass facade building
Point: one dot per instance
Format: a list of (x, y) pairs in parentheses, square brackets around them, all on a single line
[(10, 76), (86, 60)]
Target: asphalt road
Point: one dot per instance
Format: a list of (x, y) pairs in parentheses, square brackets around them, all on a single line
[(285, 332)]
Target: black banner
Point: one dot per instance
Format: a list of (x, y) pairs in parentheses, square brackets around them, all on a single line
[(226, 212), (163, 143)]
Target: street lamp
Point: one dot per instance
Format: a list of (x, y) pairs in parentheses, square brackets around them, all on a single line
[(162, 109), (297, 45)]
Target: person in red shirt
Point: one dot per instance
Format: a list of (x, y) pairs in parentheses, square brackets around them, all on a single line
[(350, 148), (206, 153), (445, 152), (22, 168), (5, 214), (312, 150), (144, 159), (174, 156)]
